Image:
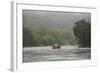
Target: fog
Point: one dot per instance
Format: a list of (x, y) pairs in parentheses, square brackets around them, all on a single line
[(33, 18)]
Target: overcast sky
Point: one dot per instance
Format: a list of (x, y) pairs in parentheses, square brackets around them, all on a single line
[(53, 18)]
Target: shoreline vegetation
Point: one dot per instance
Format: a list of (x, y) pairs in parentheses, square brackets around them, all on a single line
[(79, 35)]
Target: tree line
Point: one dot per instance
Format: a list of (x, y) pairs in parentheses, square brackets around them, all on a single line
[(80, 35)]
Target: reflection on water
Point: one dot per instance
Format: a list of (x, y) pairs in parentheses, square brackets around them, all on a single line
[(49, 54)]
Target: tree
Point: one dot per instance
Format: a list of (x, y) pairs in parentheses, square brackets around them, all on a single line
[(82, 31), (28, 38)]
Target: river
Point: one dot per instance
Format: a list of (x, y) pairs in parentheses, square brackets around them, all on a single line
[(38, 54)]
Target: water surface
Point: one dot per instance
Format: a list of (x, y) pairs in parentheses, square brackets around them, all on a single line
[(37, 54)]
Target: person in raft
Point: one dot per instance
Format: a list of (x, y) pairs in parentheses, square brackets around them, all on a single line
[(56, 46)]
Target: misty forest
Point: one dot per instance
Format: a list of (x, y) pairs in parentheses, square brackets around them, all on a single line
[(44, 28)]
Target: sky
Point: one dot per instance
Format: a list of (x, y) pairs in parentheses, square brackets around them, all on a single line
[(32, 18)]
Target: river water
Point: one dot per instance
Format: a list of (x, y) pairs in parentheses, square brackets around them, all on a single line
[(37, 54)]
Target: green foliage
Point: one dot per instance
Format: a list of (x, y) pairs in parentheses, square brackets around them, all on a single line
[(42, 37), (28, 38), (82, 31)]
